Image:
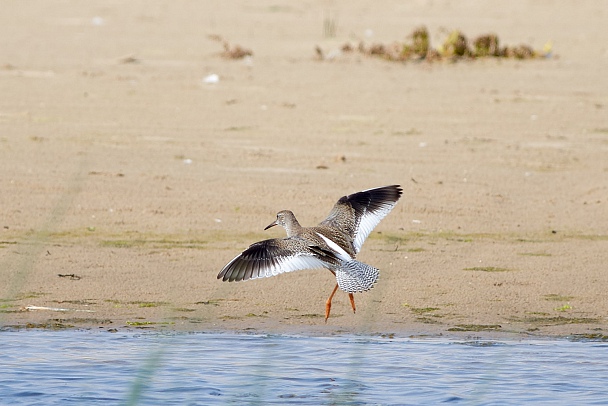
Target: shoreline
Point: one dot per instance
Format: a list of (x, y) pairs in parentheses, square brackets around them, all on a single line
[(129, 182)]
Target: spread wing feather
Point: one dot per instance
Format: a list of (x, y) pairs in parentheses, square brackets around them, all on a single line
[(358, 214), (272, 257)]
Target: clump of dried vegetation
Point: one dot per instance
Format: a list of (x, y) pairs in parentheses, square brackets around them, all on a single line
[(231, 51), (417, 47)]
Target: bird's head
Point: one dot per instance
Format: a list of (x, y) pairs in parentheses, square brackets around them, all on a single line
[(287, 220)]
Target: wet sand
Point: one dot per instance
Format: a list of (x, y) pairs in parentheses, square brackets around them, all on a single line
[(128, 182)]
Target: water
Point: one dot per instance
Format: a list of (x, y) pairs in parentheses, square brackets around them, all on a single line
[(80, 367)]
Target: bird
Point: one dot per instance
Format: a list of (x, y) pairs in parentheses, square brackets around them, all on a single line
[(332, 244)]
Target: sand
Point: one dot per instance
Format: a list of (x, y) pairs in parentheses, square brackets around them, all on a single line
[(128, 181)]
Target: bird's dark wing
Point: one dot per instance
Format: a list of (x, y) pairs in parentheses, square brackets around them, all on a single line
[(275, 256), (358, 214)]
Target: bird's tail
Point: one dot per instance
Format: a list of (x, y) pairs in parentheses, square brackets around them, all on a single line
[(354, 276)]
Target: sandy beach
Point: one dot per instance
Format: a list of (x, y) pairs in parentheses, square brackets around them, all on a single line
[(137, 160)]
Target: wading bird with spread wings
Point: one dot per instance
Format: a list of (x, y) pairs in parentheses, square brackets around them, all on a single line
[(333, 244)]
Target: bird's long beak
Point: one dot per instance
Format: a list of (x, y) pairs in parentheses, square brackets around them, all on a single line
[(274, 223)]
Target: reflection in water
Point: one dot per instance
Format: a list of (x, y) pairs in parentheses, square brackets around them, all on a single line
[(52, 368)]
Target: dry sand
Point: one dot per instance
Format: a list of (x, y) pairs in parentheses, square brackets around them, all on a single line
[(121, 167)]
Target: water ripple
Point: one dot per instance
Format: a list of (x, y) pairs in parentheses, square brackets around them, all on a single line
[(76, 367)]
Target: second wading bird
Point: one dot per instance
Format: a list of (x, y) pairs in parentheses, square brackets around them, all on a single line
[(333, 244)]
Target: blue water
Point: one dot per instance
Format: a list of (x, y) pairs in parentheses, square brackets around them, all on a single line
[(80, 367)]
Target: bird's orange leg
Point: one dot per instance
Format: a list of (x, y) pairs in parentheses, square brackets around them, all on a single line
[(352, 302), (328, 303)]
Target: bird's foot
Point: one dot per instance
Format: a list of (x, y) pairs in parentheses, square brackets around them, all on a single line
[(352, 302)]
